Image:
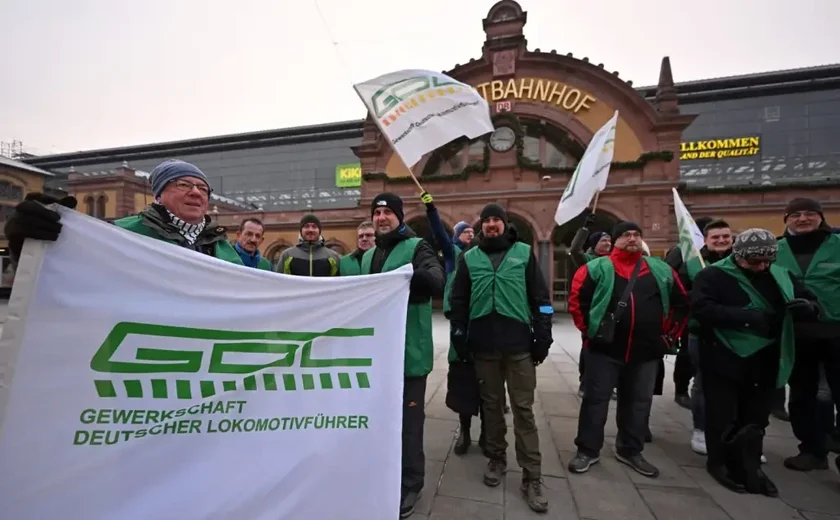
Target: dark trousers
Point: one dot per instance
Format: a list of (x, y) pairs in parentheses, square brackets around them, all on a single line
[(635, 384), (520, 374), (683, 370), (581, 364), (731, 404), (806, 416), (698, 404), (414, 420)]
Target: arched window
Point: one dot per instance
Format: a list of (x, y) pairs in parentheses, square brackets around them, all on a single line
[(549, 146), (100, 206), (90, 208)]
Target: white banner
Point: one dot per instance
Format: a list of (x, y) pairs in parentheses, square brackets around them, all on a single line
[(420, 110), (591, 173), (691, 237), (139, 380)]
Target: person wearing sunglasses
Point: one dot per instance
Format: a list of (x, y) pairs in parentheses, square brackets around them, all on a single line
[(745, 306), (178, 214)]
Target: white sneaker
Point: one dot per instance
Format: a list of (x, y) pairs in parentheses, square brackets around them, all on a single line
[(763, 459), (698, 442)]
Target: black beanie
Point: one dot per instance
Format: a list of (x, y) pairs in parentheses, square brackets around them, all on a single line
[(310, 218), (623, 227), (494, 210), (593, 239), (802, 204), (390, 201)]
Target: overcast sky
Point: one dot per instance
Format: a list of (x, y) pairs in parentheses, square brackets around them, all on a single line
[(86, 74)]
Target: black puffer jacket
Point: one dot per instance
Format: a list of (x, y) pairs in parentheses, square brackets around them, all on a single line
[(428, 279)]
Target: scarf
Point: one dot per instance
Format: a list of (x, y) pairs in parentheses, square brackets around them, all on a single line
[(189, 231)]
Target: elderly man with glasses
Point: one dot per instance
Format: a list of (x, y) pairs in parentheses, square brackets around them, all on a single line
[(178, 215)]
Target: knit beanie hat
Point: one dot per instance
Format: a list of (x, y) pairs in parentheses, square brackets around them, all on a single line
[(459, 228), (755, 242), (623, 227), (310, 218), (803, 204), (494, 210), (593, 239), (171, 170), (390, 201)]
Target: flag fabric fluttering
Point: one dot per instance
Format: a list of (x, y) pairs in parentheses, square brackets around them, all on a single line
[(591, 174), (691, 238), (420, 110)]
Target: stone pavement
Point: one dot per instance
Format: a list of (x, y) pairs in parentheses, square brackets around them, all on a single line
[(609, 491)]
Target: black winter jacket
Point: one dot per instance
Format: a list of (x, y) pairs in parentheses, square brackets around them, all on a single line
[(428, 279)]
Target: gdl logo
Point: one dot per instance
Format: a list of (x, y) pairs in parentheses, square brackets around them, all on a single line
[(252, 352)]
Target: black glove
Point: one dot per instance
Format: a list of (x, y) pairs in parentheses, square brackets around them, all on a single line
[(760, 322), (32, 219), (803, 310), (539, 351), (589, 221), (458, 338)]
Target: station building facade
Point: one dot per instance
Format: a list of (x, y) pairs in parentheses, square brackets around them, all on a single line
[(737, 147)]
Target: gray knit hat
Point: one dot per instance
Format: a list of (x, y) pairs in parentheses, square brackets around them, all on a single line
[(755, 242)]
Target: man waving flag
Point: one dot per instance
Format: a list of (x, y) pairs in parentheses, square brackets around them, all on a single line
[(691, 237)]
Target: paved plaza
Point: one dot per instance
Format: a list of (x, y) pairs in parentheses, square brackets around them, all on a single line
[(609, 491)]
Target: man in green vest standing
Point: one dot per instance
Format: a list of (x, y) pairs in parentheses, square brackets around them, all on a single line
[(351, 264), (631, 309), (812, 253), (397, 245), (178, 215), (745, 306), (500, 316)]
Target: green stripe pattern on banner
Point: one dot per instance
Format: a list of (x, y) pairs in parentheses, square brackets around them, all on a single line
[(185, 389)]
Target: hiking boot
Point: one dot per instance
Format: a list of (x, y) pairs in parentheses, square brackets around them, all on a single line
[(806, 462), (532, 492), (495, 472), (638, 463), (698, 442), (683, 400), (780, 414), (581, 463), (409, 502), (462, 445)]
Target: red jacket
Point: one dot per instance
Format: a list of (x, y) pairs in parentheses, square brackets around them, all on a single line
[(644, 331)]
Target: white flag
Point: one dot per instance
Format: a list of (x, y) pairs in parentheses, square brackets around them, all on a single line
[(691, 238), (590, 175), (420, 110), (144, 381)]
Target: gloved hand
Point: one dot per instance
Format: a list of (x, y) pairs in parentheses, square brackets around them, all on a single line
[(458, 337), (589, 221), (539, 351), (32, 219), (427, 199), (760, 322), (803, 310)]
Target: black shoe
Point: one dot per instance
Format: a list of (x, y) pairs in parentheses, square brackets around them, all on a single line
[(780, 414), (581, 463), (768, 488), (409, 502), (683, 400), (722, 476), (806, 462), (638, 463), (462, 445), (495, 472)]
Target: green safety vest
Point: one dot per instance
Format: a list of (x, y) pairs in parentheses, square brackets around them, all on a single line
[(602, 272), (419, 346), (447, 290), (135, 223), (746, 343), (503, 289), (823, 275), (349, 266)]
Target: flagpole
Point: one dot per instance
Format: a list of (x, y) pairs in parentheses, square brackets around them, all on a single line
[(595, 202)]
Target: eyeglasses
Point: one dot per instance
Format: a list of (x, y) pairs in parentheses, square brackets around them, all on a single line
[(366, 235), (187, 186)]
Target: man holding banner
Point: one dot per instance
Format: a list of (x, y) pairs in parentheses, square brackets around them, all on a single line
[(396, 246)]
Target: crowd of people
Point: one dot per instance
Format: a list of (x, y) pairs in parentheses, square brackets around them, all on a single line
[(749, 315)]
